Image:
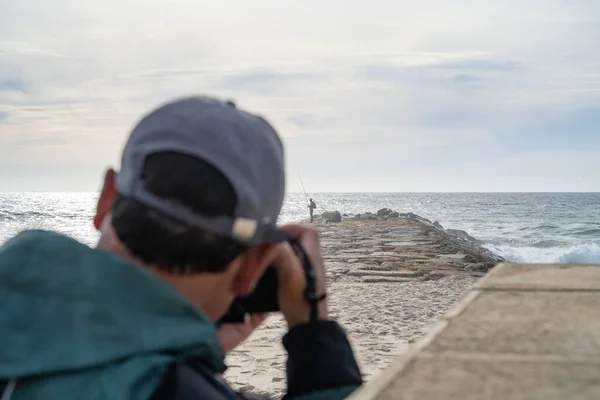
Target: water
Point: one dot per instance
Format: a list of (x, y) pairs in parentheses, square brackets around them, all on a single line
[(522, 227)]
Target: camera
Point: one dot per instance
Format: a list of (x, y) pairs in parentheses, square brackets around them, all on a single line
[(264, 298)]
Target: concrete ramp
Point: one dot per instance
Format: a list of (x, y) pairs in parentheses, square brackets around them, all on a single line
[(523, 332)]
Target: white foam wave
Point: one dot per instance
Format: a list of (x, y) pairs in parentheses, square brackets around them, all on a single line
[(577, 254)]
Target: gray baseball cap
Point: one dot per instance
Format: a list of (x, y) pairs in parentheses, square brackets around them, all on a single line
[(243, 147)]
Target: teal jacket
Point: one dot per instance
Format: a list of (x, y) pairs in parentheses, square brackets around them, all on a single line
[(82, 323)]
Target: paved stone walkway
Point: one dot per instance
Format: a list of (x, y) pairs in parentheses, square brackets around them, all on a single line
[(522, 332)]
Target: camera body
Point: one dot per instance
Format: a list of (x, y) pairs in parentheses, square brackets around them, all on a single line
[(262, 300)]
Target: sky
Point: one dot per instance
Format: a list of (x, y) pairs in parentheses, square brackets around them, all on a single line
[(378, 95)]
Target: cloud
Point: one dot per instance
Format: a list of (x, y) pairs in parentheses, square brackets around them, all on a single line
[(37, 141), (268, 81), (365, 96), (24, 49), (482, 65), (549, 170), (306, 121), (12, 85)]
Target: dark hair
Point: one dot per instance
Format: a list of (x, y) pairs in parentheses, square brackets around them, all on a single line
[(172, 245)]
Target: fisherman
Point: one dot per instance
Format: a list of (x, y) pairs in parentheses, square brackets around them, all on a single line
[(311, 207)]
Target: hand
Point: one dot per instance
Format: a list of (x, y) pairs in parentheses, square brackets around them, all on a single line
[(232, 335), (292, 280)]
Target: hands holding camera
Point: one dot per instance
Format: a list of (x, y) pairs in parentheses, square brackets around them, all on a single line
[(292, 284)]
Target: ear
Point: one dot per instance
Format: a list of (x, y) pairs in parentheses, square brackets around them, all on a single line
[(107, 196), (252, 266)]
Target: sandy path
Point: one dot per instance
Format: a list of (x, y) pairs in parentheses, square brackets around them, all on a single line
[(388, 283)]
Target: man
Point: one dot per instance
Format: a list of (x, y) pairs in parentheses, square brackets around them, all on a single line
[(186, 226), (311, 207)]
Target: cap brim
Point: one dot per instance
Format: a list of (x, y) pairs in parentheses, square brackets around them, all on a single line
[(244, 230)]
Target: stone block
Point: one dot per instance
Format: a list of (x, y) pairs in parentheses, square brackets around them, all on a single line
[(451, 378), (542, 277), (551, 323)]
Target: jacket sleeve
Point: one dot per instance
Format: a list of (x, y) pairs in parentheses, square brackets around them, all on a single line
[(321, 364)]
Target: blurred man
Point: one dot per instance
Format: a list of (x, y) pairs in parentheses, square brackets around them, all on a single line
[(186, 226)]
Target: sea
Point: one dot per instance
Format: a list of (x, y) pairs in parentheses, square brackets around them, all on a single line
[(521, 227)]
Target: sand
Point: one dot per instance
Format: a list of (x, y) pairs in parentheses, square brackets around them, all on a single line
[(388, 282)]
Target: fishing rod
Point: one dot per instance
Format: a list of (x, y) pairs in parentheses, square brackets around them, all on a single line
[(303, 189)]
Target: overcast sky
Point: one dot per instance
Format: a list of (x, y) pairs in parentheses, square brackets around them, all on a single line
[(396, 95)]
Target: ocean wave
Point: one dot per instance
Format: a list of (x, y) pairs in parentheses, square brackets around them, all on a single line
[(578, 229), (26, 215), (540, 227), (576, 254), (595, 232)]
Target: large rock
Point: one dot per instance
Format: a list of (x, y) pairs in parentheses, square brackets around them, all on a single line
[(384, 212), (415, 217), (462, 235), (331, 216), (480, 266), (477, 259)]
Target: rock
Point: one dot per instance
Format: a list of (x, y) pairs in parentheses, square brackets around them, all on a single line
[(365, 217), (474, 256), (331, 216), (414, 216), (383, 212), (480, 267), (462, 235)]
